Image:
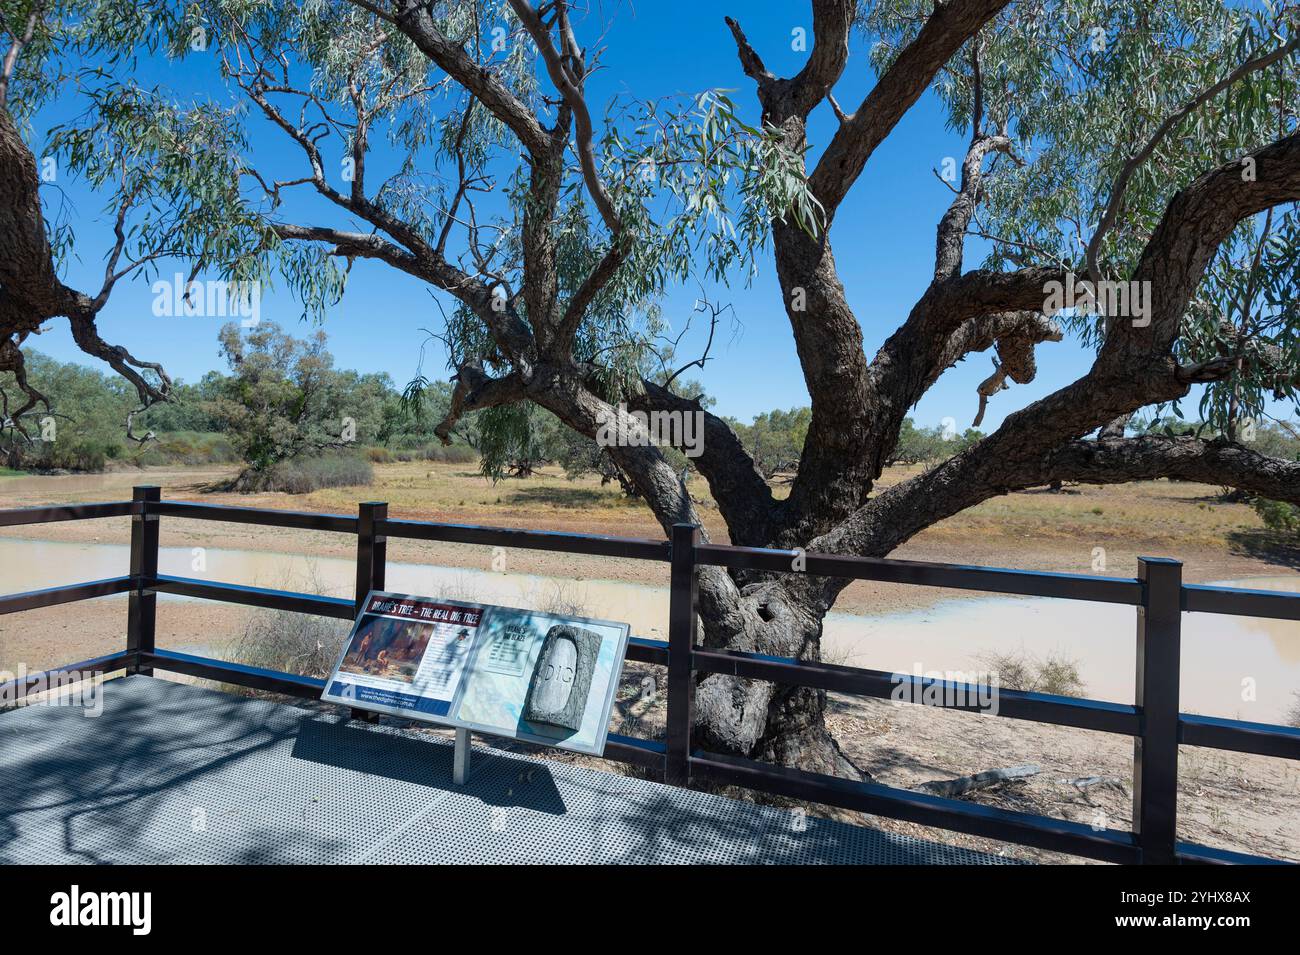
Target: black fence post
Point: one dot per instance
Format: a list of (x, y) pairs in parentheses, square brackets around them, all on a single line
[(141, 615), (372, 558), (683, 624), (372, 550), (1155, 751)]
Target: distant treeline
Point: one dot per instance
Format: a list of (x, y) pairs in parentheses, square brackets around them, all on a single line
[(282, 410), (295, 422)]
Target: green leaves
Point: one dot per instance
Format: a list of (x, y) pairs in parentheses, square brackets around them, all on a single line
[(175, 172), (1248, 310), (1082, 86), (719, 181)]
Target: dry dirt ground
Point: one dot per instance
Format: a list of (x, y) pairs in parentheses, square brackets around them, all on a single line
[(1227, 800)]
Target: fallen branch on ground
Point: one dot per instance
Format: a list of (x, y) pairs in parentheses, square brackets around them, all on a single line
[(990, 777), (1084, 783)]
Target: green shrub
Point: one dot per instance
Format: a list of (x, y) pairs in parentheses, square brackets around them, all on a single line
[(1278, 515), (188, 447), (451, 454), (303, 475), (72, 455)]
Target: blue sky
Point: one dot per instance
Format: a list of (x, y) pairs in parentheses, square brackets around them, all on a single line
[(883, 235)]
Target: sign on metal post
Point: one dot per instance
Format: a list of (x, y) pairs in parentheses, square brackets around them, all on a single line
[(523, 674)]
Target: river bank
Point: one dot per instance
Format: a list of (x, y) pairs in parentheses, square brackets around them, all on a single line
[(1083, 530)]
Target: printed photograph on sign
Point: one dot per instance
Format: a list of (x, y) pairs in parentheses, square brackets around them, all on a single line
[(406, 655), (389, 648), (543, 678)]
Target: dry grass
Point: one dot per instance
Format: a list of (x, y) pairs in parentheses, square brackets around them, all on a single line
[(1174, 513), (1022, 670)]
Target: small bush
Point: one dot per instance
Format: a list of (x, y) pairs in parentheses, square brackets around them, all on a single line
[(450, 454), (71, 455), (563, 598), (1020, 670), (1278, 515), (379, 455), (290, 642), (188, 447), (303, 475)]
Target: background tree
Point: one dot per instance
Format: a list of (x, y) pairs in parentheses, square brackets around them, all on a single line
[(929, 445), (285, 399), (1107, 142), (775, 439), (79, 427)]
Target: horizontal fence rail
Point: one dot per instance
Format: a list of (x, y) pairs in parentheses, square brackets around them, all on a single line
[(66, 674), (66, 512), (993, 580), (1017, 704), (303, 520), (52, 596), (1238, 736), (335, 607), (597, 545), (1198, 598), (1153, 720)]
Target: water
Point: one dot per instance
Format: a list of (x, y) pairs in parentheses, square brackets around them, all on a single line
[(33, 565), (1225, 659)]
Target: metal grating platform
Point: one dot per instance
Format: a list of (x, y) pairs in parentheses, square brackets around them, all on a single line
[(171, 773)]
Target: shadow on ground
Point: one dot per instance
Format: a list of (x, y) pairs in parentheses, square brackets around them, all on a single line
[(174, 773), (1267, 546)]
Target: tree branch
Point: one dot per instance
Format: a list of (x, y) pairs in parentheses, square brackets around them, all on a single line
[(15, 48), (416, 22), (1171, 122), (1147, 457), (570, 84), (1134, 369), (943, 34), (797, 96), (743, 497), (475, 390), (950, 238)]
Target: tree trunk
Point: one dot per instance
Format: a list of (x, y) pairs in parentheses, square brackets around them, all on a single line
[(797, 735), (785, 725)]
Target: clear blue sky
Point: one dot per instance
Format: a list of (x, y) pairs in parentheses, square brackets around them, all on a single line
[(883, 235)]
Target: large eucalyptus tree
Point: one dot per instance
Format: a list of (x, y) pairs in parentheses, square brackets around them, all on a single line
[(1111, 142)]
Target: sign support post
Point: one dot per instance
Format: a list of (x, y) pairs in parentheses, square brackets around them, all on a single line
[(460, 758)]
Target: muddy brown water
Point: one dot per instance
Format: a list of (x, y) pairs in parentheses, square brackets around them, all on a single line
[(1236, 667)]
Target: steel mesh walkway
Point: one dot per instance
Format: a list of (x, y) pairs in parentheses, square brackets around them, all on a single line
[(171, 773)]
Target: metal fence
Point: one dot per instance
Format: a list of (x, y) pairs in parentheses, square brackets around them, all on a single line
[(1154, 721)]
